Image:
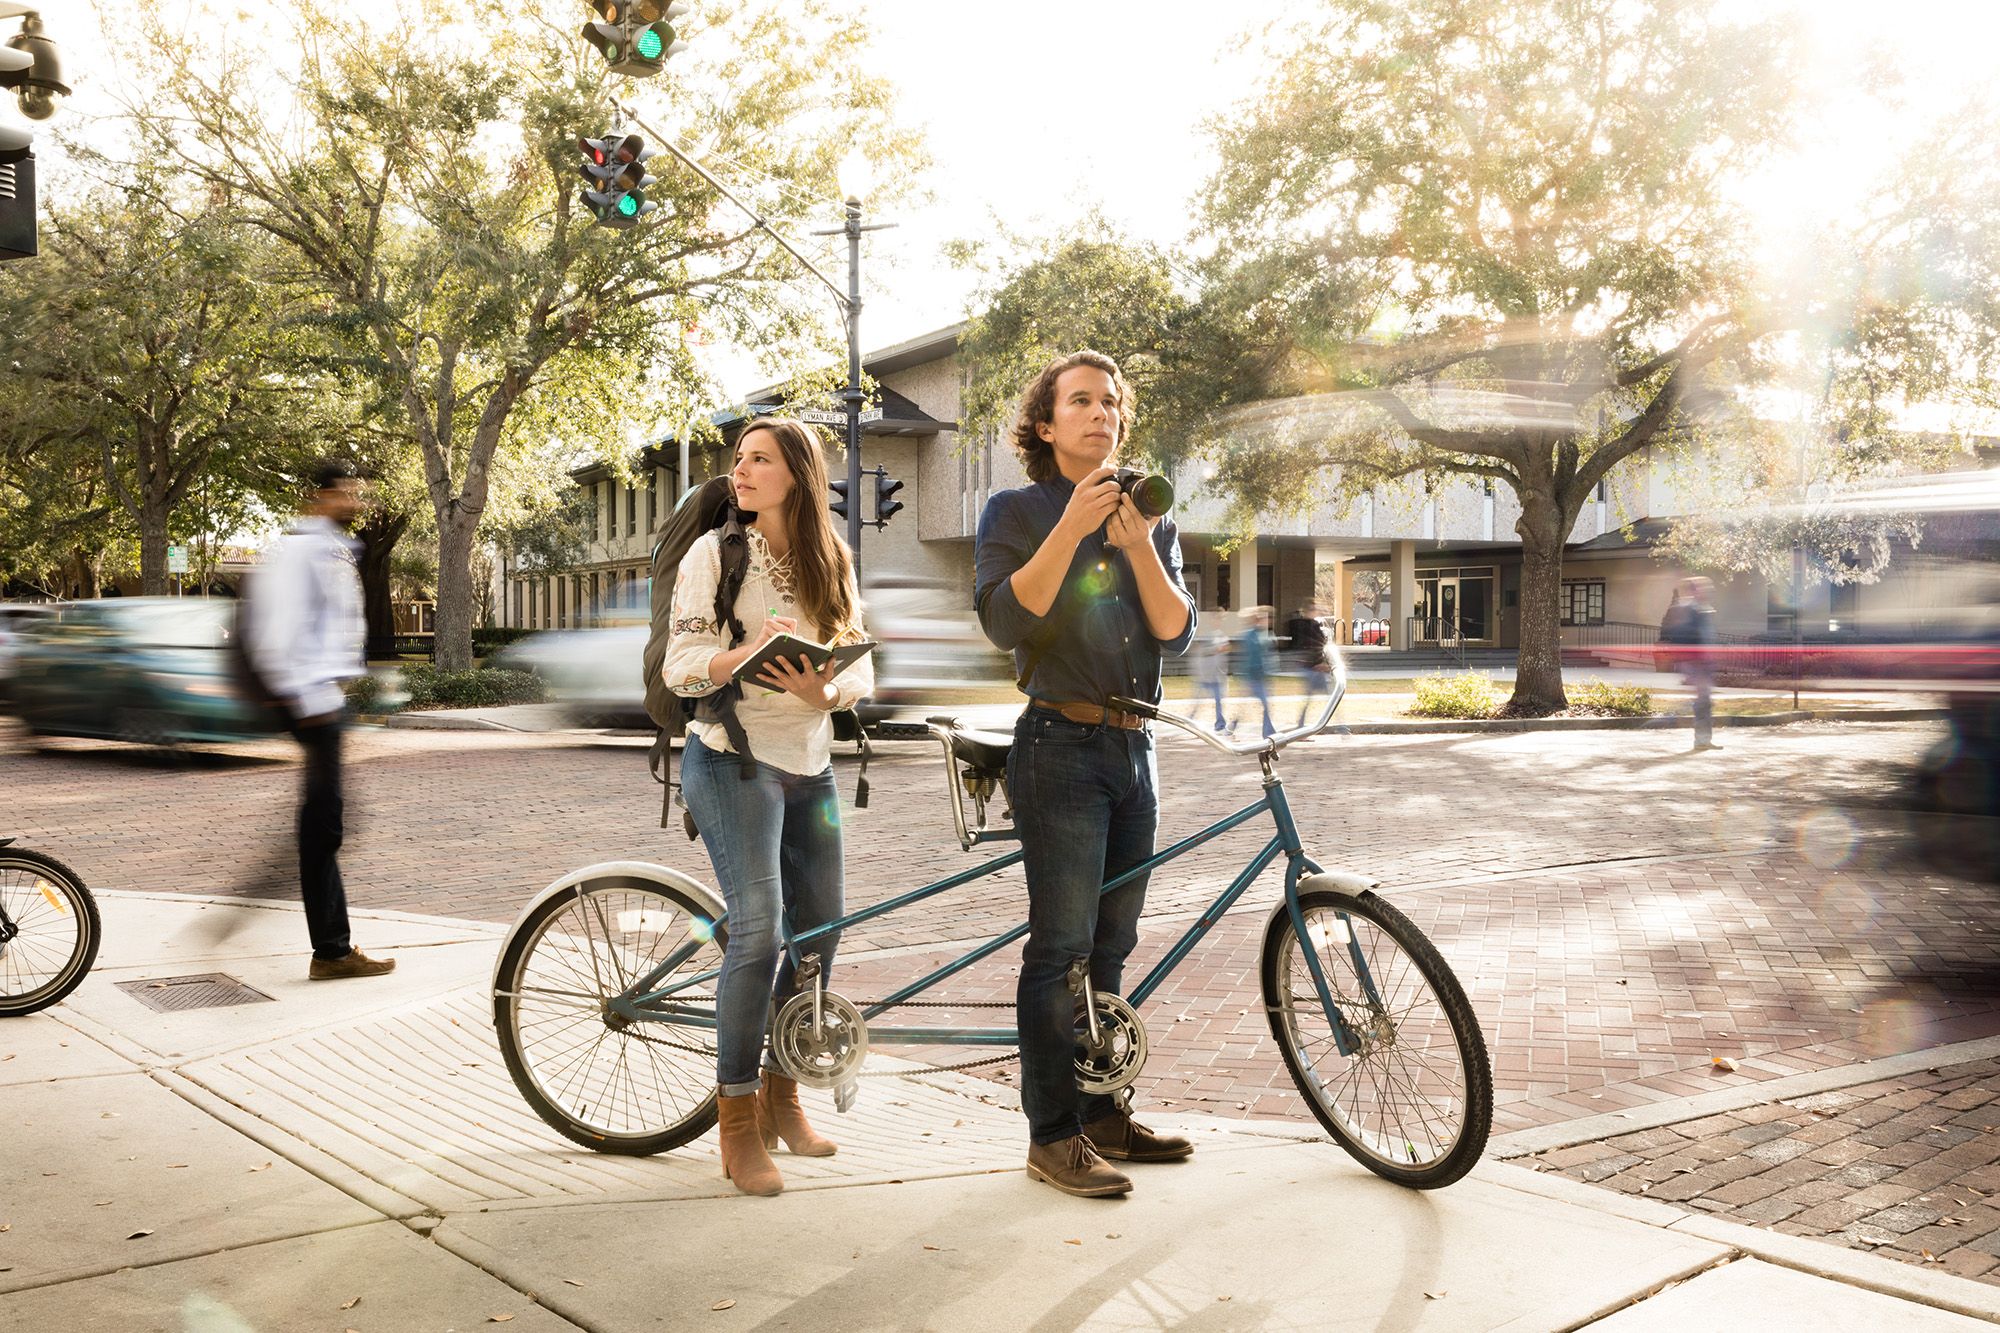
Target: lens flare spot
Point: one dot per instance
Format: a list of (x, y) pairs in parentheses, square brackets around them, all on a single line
[(702, 929), (1827, 839)]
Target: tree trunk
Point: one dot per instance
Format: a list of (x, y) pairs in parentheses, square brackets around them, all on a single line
[(1538, 678), (153, 550), (452, 649), (378, 537)]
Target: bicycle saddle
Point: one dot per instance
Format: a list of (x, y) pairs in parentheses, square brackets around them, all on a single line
[(983, 750)]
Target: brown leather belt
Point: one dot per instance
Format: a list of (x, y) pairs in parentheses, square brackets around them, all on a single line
[(1091, 715)]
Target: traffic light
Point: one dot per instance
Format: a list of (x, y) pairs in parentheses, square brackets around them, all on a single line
[(839, 505), (636, 36), (614, 171), (886, 504)]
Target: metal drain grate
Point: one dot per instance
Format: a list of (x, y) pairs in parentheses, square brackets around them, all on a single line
[(206, 990)]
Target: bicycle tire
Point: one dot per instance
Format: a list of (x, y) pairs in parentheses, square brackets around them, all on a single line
[(594, 1096), (22, 873), (1415, 1031)]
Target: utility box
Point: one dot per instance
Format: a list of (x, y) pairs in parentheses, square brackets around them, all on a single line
[(17, 210)]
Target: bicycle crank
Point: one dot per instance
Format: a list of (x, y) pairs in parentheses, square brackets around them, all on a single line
[(819, 1038), (1114, 1059)]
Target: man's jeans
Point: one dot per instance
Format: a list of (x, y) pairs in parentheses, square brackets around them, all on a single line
[(1086, 803), (321, 830), (774, 840)]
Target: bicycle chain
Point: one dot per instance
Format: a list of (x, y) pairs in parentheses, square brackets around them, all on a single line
[(877, 1073)]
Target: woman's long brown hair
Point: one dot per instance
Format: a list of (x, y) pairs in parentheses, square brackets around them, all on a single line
[(821, 560)]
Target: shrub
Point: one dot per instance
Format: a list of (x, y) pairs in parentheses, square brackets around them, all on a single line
[(1470, 694), (487, 639), (1597, 698), (479, 688), (364, 694)]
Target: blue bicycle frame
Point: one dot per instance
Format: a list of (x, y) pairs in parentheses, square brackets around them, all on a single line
[(648, 999)]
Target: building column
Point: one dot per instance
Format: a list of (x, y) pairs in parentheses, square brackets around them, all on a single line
[(1342, 606), (1243, 576), (1402, 592)]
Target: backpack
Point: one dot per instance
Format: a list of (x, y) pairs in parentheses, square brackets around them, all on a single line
[(250, 684), (707, 508)]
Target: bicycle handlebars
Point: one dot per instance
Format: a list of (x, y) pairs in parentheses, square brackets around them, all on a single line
[(1269, 744)]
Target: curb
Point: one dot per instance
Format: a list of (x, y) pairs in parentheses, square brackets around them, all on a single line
[(1612, 1124), (1514, 724)]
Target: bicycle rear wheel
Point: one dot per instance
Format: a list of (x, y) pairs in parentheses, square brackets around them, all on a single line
[(611, 1084), (1412, 1099), (56, 931)]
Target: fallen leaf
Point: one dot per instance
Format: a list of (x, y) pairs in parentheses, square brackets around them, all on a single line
[(933, 1247), (1222, 1298), (1072, 1242), (1722, 1062), (1440, 1295), (723, 1305), (6, 1226), (109, 1115), (498, 1318), (572, 1281), (102, 1203), (140, 1235), (1930, 1258), (349, 1305), (255, 1169), (1111, 1235)]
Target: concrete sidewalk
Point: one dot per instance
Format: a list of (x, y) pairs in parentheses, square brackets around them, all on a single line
[(354, 1156)]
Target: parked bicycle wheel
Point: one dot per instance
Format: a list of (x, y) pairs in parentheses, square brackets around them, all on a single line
[(612, 1084), (48, 931), (1412, 1100)]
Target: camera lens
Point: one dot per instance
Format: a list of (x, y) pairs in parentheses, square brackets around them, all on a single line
[(1152, 494)]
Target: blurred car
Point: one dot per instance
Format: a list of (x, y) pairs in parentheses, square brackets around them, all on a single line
[(148, 670), (15, 617), (931, 643)]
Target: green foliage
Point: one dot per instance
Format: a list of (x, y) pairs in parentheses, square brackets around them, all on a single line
[(1468, 694), (1599, 698), (365, 694), (492, 638), (484, 687)]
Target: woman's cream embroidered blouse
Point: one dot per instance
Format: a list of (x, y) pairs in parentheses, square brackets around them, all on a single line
[(784, 731)]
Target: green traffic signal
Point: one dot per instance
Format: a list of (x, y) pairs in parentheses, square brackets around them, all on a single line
[(628, 205), (650, 44)]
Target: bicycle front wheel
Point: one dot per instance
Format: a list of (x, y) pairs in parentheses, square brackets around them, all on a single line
[(54, 931), (1411, 1095), (599, 1077)]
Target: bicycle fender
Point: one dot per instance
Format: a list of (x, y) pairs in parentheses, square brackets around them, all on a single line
[(633, 870), (1344, 882)]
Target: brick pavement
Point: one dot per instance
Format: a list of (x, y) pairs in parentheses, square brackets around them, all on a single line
[(1619, 911), (1907, 1167)]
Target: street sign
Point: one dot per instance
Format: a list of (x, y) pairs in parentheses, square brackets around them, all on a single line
[(177, 560), (819, 417)]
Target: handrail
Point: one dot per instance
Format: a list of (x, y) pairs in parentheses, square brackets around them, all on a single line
[(1430, 630)]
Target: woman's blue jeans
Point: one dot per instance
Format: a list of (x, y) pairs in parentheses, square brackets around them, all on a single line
[(775, 843), (1086, 802)]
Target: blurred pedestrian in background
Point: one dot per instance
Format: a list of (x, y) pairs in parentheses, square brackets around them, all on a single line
[(1690, 625), (303, 631), (1251, 659), (1211, 672), (1307, 645)]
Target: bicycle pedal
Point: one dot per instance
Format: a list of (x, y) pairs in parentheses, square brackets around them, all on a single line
[(844, 1095)]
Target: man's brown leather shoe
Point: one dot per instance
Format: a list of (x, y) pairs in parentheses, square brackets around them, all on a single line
[(355, 964), (1074, 1167), (1123, 1139)]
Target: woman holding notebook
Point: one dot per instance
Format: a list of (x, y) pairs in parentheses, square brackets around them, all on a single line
[(771, 819)]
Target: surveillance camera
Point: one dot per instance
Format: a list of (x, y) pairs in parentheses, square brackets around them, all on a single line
[(38, 83)]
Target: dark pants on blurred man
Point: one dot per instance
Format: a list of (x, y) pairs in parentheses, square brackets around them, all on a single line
[(320, 826)]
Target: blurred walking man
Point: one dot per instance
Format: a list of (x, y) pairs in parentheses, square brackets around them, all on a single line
[(303, 630), (1690, 622)]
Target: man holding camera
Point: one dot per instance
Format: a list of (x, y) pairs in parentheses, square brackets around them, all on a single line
[(1085, 590)]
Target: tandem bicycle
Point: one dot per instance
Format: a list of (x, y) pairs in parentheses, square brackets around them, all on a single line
[(604, 994)]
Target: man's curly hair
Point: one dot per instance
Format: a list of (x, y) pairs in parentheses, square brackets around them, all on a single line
[(1038, 407)]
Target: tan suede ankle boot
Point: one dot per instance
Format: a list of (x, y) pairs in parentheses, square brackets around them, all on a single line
[(780, 1116), (743, 1157)]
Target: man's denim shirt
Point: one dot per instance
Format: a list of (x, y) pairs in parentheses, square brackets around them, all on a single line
[(1095, 642)]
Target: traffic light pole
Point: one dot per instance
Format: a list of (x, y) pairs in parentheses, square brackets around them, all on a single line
[(850, 305)]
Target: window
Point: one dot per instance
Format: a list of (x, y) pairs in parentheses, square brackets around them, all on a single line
[(1583, 602), (652, 499), (1223, 591), (631, 510)]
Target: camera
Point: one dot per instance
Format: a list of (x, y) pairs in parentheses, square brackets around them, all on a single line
[(32, 66), (1152, 494)]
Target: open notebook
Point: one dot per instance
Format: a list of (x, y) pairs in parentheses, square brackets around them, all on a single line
[(791, 647)]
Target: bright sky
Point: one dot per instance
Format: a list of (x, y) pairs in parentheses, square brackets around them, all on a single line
[(1039, 110)]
